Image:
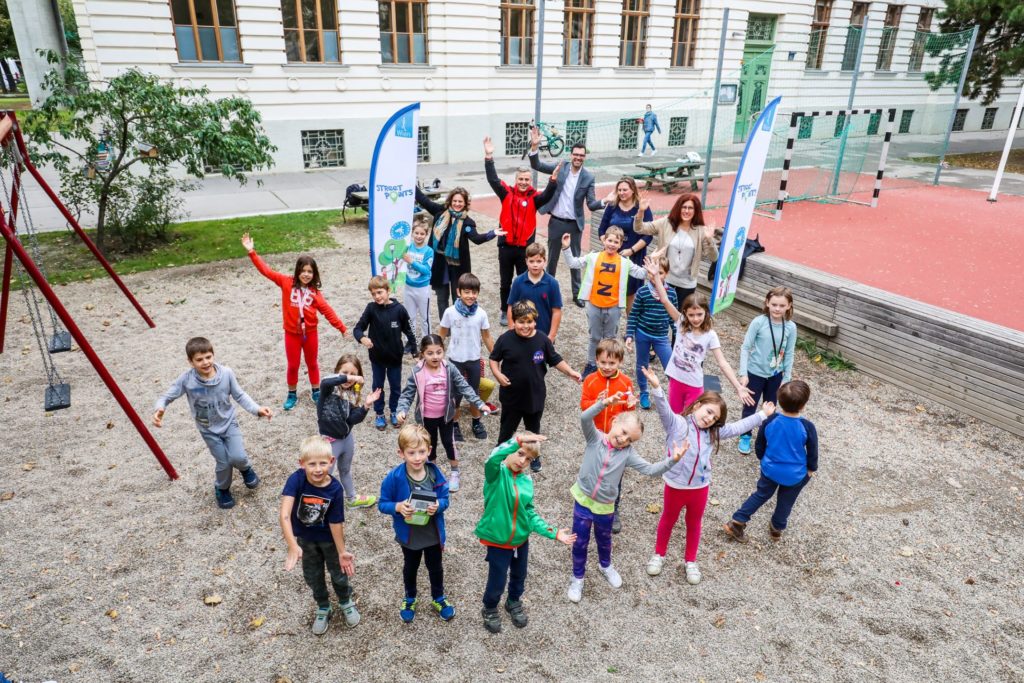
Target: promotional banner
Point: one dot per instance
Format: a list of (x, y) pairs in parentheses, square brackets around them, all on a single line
[(392, 194), (741, 209)]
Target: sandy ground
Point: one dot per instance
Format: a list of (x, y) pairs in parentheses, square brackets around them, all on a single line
[(902, 562)]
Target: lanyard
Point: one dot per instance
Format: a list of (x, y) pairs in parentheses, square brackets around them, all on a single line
[(777, 351)]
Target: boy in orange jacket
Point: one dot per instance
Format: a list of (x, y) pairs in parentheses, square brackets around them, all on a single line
[(608, 381)]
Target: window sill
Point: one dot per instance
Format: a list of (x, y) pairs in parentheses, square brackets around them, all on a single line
[(516, 67), (211, 66), (408, 67), (887, 73), (684, 70), (634, 69), (319, 66), (579, 68), (816, 72)]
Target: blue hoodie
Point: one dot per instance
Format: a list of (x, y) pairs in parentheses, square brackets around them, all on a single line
[(788, 448), (395, 489), (418, 272)]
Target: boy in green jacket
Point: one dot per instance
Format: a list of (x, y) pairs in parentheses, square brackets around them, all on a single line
[(506, 525)]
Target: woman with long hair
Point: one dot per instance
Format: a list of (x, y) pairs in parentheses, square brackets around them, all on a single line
[(683, 237)]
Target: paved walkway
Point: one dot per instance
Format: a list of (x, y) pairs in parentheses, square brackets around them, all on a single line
[(218, 197)]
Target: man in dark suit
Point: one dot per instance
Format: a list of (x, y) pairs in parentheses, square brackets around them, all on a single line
[(575, 188)]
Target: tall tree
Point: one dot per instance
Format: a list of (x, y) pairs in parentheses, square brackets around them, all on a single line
[(114, 143), (999, 51)]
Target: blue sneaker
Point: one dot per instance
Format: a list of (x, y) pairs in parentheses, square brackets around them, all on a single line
[(250, 478), (744, 446), (394, 420), (408, 611), (316, 395), (225, 500), (380, 423), (445, 609), (290, 400), (645, 400)]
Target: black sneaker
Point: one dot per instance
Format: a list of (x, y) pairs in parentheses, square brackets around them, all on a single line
[(478, 430), (616, 523), (250, 478), (535, 465), (579, 304), (516, 611), (225, 501), (457, 432), (492, 620)]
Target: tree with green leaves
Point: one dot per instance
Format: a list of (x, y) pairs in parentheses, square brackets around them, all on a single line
[(999, 51), (115, 142)]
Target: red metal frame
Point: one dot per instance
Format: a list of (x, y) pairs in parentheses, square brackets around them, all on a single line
[(15, 248)]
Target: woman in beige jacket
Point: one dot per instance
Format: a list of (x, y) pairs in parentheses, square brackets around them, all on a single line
[(684, 238)]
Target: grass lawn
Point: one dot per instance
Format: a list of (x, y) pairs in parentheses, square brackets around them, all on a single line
[(17, 102), (988, 161), (68, 260)]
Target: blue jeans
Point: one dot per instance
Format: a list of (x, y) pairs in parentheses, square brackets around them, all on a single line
[(505, 565), (394, 377), (644, 344), (647, 141), (766, 488), (762, 387)]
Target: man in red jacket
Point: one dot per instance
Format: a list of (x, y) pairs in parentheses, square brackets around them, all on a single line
[(518, 219)]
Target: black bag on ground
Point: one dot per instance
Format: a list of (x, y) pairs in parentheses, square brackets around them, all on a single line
[(753, 246)]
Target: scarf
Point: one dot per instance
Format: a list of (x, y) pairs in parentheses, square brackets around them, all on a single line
[(464, 310), (453, 220)]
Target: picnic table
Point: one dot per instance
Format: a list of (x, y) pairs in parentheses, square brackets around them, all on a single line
[(361, 198), (669, 173)]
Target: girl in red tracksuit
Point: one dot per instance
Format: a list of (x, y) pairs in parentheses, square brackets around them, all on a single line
[(519, 204), (301, 300)]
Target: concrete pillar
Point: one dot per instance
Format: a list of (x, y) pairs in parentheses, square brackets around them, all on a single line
[(37, 26)]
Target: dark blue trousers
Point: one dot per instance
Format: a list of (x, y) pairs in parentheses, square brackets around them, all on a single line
[(394, 377), (766, 488), (506, 566), (762, 387)]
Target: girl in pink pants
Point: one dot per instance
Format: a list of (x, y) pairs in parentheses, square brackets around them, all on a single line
[(703, 425)]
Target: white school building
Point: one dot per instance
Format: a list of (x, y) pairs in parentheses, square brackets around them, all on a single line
[(326, 74)]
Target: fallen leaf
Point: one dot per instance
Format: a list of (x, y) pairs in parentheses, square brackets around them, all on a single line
[(89, 307), (74, 667), (653, 508), (213, 599), (4, 626), (29, 466), (919, 409), (111, 465), (715, 501), (500, 669), (907, 551), (6, 496), (112, 613), (218, 571), (110, 424), (719, 621), (106, 323), (257, 622), (759, 676), (282, 679)]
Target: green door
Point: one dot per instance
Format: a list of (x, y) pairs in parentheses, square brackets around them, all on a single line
[(754, 74)]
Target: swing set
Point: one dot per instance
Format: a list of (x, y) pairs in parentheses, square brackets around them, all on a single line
[(17, 227)]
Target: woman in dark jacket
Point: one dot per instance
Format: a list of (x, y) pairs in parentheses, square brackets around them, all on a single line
[(452, 225)]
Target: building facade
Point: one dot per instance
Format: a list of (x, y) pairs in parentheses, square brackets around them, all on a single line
[(326, 74)]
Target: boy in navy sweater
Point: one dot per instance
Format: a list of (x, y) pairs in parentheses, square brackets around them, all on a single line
[(787, 446), (380, 329)]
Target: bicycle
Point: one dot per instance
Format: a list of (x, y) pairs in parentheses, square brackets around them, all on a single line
[(553, 141)]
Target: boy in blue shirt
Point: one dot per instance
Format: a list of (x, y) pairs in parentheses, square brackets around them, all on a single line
[(312, 520), (542, 289), (787, 447)]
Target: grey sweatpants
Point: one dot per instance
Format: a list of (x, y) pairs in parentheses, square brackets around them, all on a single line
[(228, 451), (604, 324), (343, 450), (417, 302)]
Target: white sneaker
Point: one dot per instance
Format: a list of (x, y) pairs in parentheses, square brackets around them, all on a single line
[(639, 154), (692, 573), (453, 481), (575, 592), (654, 564), (614, 580)]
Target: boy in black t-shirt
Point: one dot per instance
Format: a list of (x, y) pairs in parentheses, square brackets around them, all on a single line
[(518, 362), (312, 521)]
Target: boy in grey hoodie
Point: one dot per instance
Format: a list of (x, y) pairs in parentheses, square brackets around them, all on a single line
[(605, 458), (209, 389)]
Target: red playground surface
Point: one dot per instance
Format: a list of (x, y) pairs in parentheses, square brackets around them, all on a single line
[(945, 246)]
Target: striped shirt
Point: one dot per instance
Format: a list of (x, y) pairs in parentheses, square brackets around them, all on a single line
[(649, 314)]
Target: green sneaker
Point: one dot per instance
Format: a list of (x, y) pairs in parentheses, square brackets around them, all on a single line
[(321, 620), (362, 502)]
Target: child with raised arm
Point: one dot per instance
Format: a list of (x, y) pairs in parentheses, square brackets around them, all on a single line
[(700, 429), (467, 324), (301, 301), (312, 521), (419, 259), (380, 329), (603, 287), (605, 458), (209, 388), (519, 363), (420, 534), (766, 357), (433, 385), (787, 446), (338, 411), (506, 525), (649, 324)]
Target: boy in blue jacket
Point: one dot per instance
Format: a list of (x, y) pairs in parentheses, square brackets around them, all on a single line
[(787, 447), (419, 541)]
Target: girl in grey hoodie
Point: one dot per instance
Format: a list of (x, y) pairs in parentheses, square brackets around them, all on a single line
[(701, 427)]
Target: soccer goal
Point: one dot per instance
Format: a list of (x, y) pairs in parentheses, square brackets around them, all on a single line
[(828, 151)]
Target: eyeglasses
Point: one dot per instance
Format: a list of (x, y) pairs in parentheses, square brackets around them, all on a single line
[(579, 156)]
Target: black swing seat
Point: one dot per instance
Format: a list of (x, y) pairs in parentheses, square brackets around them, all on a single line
[(58, 397), (60, 342)]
